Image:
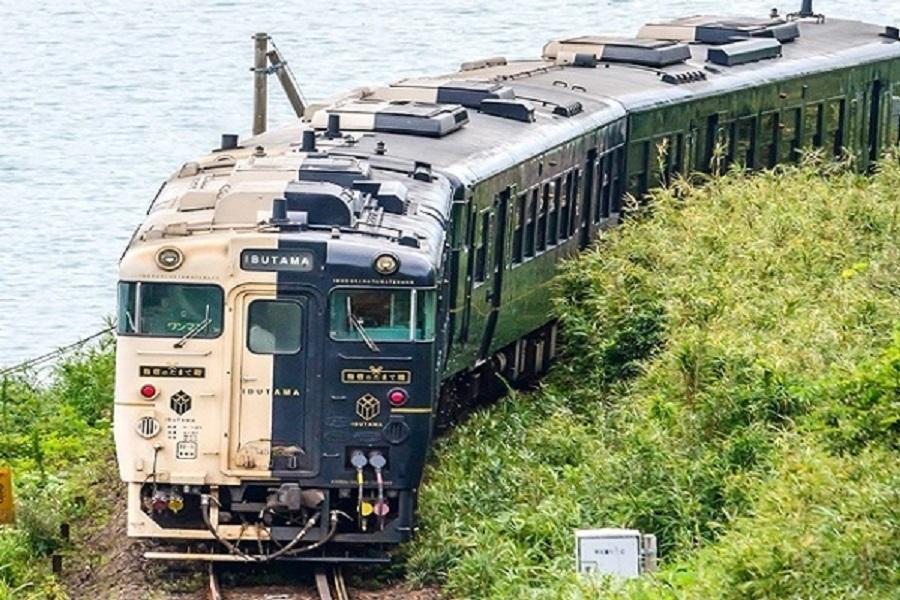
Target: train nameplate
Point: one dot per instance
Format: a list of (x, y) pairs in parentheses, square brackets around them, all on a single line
[(301, 261), (182, 372), (375, 375)]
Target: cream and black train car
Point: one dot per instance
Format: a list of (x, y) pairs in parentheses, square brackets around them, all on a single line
[(300, 311)]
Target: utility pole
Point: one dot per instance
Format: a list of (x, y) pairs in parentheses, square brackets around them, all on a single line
[(260, 82)]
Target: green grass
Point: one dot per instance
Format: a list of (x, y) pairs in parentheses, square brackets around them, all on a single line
[(55, 434), (730, 383)]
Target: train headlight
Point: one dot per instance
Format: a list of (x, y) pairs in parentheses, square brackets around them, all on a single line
[(386, 264), (169, 259), (149, 392)]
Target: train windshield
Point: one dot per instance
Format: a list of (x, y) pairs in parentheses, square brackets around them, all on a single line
[(382, 315), (170, 309)]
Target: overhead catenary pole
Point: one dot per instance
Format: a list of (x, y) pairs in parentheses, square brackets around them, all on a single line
[(288, 83), (260, 82)]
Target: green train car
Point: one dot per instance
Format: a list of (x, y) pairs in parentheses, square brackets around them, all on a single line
[(300, 311)]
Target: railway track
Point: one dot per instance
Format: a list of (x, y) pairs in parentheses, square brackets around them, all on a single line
[(329, 584)]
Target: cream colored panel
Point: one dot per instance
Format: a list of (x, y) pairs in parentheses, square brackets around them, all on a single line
[(675, 33)]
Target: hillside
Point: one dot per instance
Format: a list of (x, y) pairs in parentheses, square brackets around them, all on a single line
[(730, 383)]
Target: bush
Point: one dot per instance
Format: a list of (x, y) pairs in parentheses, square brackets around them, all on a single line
[(53, 433), (708, 341)]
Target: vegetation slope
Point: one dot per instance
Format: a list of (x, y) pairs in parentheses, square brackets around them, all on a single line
[(730, 383)]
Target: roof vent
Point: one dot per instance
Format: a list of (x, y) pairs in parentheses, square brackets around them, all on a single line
[(715, 30), (391, 196), (340, 170), (445, 91), (650, 53), (413, 118), (683, 77), (324, 203), (891, 33), (740, 53), (517, 110), (569, 109)]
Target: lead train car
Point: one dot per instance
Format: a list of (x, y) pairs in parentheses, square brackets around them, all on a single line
[(299, 312)]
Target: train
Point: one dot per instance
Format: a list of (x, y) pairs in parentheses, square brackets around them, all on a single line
[(301, 310)]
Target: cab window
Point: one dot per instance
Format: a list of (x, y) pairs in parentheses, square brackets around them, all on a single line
[(382, 315), (170, 309)]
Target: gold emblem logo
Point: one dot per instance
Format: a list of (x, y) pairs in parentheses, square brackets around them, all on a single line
[(368, 407)]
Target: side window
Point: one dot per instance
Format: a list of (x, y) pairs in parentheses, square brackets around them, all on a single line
[(790, 135), (833, 130), (637, 167), (274, 327), (565, 208), (600, 186), (530, 222), (553, 231), (812, 119), (573, 198), (768, 141), (745, 151), (542, 217), (519, 231), (618, 179), (481, 249), (895, 116)]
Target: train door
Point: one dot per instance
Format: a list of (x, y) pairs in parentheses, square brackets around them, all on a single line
[(273, 421)]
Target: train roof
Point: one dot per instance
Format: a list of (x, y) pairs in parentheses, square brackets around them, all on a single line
[(422, 137)]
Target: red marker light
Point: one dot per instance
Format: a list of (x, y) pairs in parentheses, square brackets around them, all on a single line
[(149, 392), (397, 397)]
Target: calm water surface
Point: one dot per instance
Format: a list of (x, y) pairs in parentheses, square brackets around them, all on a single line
[(101, 100)]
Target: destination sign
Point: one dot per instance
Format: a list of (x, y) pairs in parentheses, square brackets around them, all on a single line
[(277, 260)]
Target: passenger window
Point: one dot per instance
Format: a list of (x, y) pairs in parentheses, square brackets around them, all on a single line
[(637, 167), (274, 327), (531, 219), (553, 235), (573, 198), (790, 135), (519, 232), (745, 152), (833, 131), (565, 208), (812, 135), (482, 248), (542, 218), (768, 143), (618, 178)]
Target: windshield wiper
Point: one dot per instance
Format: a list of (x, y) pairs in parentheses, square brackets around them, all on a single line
[(356, 322), (194, 330)]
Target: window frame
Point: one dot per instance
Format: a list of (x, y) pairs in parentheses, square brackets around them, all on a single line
[(276, 301), (137, 310), (413, 310)]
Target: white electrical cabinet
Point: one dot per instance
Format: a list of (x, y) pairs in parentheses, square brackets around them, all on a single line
[(619, 552)]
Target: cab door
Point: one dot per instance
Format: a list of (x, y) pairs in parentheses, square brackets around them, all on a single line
[(273, 426)]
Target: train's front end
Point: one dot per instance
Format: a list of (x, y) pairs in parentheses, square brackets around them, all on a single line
[(277, 361)]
